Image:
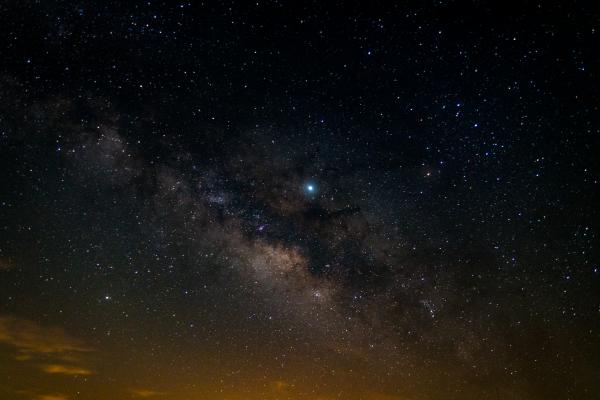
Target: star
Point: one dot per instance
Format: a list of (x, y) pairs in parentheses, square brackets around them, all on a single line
[(310, 188)]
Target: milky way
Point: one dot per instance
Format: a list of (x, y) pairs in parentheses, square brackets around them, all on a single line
[(276, 201)]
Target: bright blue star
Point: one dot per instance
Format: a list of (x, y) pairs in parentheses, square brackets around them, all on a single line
[(310, 189)]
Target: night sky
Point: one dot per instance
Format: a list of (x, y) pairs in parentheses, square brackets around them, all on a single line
[(315, 200)]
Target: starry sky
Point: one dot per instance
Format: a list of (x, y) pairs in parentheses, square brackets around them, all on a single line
[(313, 200)]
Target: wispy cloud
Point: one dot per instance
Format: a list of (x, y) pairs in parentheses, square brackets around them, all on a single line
[(145, 392), (51, 397), (29, 338), (65, 369), (384, 396), (280, 385), (31, 341), (36, 395)]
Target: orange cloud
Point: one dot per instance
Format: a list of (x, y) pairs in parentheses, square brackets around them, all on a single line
[(23, 357), (280, 385), (51, 397), (65, 369), (31, 339), (36, 395), (383, 396), (145, 392)]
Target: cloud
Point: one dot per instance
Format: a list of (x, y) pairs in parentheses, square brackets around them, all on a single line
[(65, 369), (31, 339), (280, 385), (383, 396), (36, 395), (51, 397), (145, 392)]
